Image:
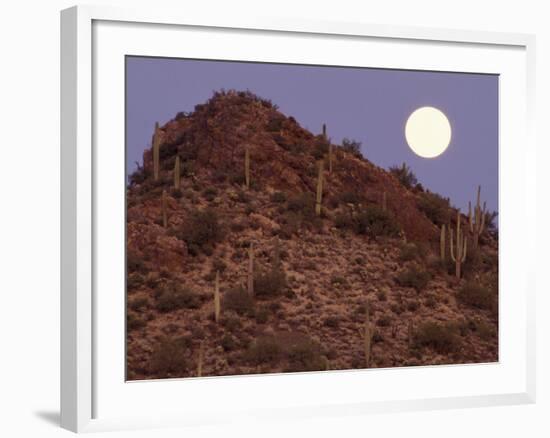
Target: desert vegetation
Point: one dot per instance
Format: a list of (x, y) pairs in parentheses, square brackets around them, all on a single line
[(256, 246)]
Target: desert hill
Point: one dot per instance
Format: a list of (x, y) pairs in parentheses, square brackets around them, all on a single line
[(255, 245)]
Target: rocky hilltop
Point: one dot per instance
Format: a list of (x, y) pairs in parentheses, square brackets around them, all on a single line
[(256, 246)]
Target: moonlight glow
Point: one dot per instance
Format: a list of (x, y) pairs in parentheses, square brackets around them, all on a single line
[(428, 132)]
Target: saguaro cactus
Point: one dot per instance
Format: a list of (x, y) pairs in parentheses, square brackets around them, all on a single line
[(217, 297), (330, 152), (247, 167), (458, 251), (367, 336), (250, 277), (164, 210), (477, 222), (200, 359), (177, 174), (319, 197), (156, 151), (442, 243), (384, 201)]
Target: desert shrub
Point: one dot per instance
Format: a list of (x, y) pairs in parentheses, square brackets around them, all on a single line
[(383, 321), (413, 277), (405, 175), (218, 265), (174, 296), (412, 305), (228, 343), (349, 197), (435, 207), (339, 281), (331, 321), (381, 295), (343, 220), (238, 300), (134, 322), (169, 356), (491, 221), (135, 262), (300, 352), (237, 178), (303, 203), (139, 176), (476, 295), (209, 193), (474, 261), (265, 349), (275, 123), (431, 302), (262, 315), (352, 146), (278, 197), (409, 251), (269, 284), (187, 169), (441, 337), (373, 221), (138, 303), (304, 355), (133, 281), (202, 228)]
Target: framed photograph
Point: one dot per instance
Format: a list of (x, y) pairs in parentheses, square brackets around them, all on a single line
[(282, 219)]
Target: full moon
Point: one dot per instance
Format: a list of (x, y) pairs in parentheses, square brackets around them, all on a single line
[(428, 132)]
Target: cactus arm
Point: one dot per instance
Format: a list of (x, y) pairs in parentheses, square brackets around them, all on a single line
[(464, 251)]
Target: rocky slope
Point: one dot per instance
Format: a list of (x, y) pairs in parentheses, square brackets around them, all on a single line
[(370, 259)]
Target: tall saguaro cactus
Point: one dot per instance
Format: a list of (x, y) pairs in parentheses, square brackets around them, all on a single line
[(330, 151), (250, 276), (458, 251), (177, 173), (367, 337), (156, 151), (319, 198), (247, 167), (164, 208), (217, 297), (442, 243), (477, 222)]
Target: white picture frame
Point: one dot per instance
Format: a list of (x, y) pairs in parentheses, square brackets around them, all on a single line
[(85, 385)]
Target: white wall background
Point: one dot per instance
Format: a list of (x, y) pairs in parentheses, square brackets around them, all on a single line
[(29, 215)]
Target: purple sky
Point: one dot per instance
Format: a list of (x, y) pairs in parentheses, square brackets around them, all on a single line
[(368, 105)]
